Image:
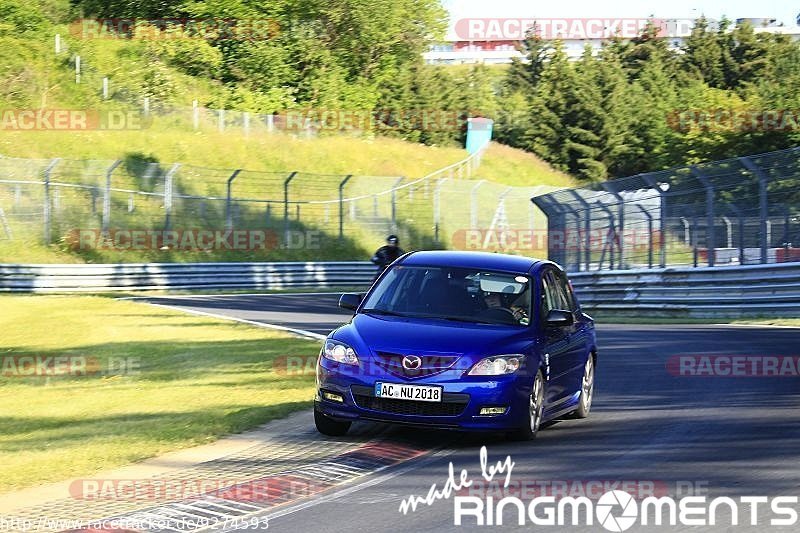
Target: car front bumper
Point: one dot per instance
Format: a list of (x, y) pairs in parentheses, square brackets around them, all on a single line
[(463, 398)]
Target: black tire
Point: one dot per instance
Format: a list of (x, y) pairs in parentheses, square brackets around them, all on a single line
[(587, 390), (535, 410), (328, 426)]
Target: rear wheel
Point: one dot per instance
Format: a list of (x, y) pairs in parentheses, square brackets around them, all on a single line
[(587, 390), (329, 426), (535, 410)]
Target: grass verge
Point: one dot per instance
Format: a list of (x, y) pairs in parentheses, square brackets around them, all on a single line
[(164, 381)]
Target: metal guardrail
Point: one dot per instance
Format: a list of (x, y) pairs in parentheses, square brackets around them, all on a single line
[(735, 291), (752, 290), (179, 276)]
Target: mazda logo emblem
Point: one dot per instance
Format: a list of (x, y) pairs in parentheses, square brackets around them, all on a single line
[(412, 362)]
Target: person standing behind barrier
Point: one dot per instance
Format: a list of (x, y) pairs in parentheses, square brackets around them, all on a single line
[(385, 255)]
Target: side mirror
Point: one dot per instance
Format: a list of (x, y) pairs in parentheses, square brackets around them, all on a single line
[(350, 301), (558, 318)]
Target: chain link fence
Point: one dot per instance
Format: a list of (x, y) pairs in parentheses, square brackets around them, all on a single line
[(94, 206), (743, 210)]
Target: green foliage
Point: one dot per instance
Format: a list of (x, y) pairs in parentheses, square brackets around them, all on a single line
[(19, 17), (619, 112), (610, 113)]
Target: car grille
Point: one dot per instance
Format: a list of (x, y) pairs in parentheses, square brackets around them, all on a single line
[(452, 404), (430, 364)]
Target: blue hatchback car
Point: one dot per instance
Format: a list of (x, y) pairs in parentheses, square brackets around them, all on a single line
[(462, 340)]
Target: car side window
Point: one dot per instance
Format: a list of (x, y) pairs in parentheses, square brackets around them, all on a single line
[(566, 291), (551, 295)]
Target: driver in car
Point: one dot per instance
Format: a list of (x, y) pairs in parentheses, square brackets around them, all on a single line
[(493, 300)]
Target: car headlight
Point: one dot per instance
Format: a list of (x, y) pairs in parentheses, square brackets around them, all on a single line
[(339, 352), (497, 365)]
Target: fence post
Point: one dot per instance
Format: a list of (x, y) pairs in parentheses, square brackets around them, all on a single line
[(46, 210), (394, 203), (610, 188), (661, 188), (168, 195), (106, 223), (221, 120), (649, 217), (437, 208), (763, 210), (195, 115), (341, 204), (473, 204), (246, 119), (711, 233), (228, 200), (6, 228), (286, 182)]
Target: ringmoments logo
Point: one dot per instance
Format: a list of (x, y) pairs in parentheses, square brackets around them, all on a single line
[(615, 510)]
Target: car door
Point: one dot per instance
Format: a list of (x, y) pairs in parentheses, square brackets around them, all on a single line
[(579, 335), (556, 341)]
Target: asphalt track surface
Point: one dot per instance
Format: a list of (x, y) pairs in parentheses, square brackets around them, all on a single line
[(723, 436)]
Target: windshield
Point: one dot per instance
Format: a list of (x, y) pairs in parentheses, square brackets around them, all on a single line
[(451, 293)]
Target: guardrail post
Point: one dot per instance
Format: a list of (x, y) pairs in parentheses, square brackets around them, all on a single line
[(286, 182), (763, 207), (229, 200), (341, 204), (46, 207), (107, 198), (168, 184)]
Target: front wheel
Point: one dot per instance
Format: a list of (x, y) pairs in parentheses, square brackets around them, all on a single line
[(587, 389), (329, 426), (535, 410)]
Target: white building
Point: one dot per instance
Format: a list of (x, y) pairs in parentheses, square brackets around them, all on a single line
[(497, 40)]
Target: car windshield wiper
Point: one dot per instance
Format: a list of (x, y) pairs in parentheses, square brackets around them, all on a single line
[(460, 319), (384, 312)]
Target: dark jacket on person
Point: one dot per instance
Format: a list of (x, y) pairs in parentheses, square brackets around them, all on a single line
[(385, 255)]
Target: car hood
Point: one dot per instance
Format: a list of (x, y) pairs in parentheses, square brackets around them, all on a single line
[(414, 335)]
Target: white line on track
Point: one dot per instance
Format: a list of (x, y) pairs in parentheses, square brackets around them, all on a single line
[(353, 488), (300, 332), (191, 296)]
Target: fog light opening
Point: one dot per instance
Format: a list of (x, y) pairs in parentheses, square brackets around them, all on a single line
[(493, 411), (332, 397)]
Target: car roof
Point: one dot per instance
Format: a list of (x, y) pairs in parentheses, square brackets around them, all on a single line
[(489, 261)]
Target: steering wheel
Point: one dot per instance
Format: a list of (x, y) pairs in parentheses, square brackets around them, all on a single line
[(499, 313)]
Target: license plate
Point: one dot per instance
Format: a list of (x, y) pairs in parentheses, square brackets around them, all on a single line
[(397, 391)]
